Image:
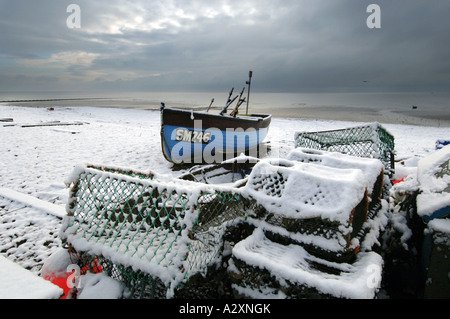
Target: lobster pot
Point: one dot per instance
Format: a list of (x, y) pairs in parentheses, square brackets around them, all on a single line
[(261, 268), (372, 169), (319, 207), (151, 233), (322, 208), (372, 141)]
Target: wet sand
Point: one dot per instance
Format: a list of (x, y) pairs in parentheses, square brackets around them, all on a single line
[(413, 116), (353, 114)]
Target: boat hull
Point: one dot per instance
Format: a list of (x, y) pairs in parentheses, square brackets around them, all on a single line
[(199, 137)]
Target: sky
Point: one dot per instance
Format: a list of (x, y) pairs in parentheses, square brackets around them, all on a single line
[(210, 45)]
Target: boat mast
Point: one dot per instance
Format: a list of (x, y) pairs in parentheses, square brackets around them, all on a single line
[(249, 82)]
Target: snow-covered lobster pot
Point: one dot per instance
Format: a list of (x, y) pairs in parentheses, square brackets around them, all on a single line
[(369, 141), (165, 229), (262, 268), (315, 199), (372, 169)]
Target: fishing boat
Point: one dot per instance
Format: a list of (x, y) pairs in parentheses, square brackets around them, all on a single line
[(195, 137)]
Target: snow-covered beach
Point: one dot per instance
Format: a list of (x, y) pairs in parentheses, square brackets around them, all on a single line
[(36, 160)]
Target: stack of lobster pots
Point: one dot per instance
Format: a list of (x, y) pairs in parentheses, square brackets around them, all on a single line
[(319, 218)]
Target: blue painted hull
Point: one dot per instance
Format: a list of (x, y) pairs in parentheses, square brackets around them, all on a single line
[(197, 137)]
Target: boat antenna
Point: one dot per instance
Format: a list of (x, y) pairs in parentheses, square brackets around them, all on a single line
[(249, 82), (212, 101), (229, 101)]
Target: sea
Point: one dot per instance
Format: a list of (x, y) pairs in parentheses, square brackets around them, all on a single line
[(391, 107)]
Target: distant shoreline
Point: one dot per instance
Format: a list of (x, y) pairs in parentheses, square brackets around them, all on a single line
[(332, 113), (51, 100)]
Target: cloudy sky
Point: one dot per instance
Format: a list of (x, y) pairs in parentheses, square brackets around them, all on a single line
[(291, 45)]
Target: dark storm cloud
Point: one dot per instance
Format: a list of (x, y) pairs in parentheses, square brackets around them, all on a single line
[(208, 45)]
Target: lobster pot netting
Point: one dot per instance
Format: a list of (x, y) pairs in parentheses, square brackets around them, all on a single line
[(147, 230), (372, 141), (323, 201)]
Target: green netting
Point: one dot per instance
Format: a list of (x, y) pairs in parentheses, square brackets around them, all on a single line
[(372, 141), (161, 236), (153, 231)]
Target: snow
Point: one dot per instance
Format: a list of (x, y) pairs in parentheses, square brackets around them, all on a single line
[(100, 286), (371, 168), (160, 252), (308, 190), (57, 264), (32, 201), (291, 263), (90, 286), (434, 187), (27, 235), (37, 162), (19, 283), (440, 225), (428, 168)]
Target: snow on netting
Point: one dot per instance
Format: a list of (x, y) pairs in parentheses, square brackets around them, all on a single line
[(433, 175), (372, 169), (324, 213), (263, 268), (316, 199), (372, 141), (159, 234), (149, 232)]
